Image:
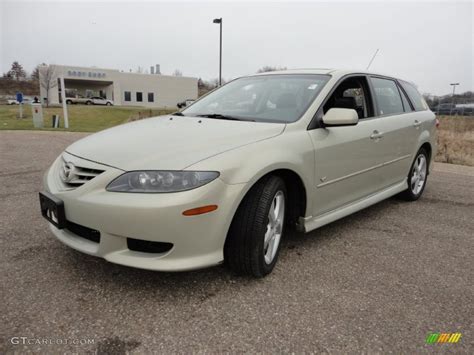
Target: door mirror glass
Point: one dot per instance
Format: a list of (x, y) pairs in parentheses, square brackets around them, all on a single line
[(340, 117)]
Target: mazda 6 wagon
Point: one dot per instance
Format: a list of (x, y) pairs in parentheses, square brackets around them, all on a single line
[(225, 179)]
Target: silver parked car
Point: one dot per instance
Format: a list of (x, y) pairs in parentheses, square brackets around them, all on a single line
[(227, 177)]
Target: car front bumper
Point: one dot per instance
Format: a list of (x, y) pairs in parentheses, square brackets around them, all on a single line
[(198, 241)]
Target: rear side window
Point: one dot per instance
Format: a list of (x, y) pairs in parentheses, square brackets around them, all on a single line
[(406, 104), (415, 97), (387, 96)]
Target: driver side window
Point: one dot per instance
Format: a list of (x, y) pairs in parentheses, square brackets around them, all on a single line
[(352, 93)]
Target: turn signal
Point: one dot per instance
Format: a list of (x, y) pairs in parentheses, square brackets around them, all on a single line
[(200, 210)]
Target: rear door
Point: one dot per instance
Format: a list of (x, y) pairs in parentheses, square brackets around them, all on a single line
[(396, 123)]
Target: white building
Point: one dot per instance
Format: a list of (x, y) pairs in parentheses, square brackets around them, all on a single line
[(125, 89)]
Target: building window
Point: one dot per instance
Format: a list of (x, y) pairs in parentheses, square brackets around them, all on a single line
[(128, 96), (151, 97), (139, 97)]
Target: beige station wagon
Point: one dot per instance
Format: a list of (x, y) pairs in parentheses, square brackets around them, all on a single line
[(226, 178)]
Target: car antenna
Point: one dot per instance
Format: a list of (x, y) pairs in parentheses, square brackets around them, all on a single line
[(373, 57)]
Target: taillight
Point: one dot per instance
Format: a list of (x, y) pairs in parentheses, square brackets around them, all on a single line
[(437, 122)]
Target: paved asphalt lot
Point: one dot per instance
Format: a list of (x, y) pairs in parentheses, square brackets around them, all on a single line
[(377, 281)]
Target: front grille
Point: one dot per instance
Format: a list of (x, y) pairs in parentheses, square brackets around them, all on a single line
[(73, 175), (84, 232), (146, 246)]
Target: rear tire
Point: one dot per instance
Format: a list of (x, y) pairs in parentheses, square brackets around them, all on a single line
[(88, 102), (253, 241), (417, 177)]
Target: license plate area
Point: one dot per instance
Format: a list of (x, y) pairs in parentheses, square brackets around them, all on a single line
[(52, 209)]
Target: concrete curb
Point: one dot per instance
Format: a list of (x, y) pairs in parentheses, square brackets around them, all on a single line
[(454, 169)]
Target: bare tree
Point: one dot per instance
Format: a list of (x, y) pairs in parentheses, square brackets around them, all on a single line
[(35, 73), (177, 72), (48, 79), (214, 83), (268, 68)]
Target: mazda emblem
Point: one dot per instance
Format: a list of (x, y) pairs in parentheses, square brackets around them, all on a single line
[(68, 172)]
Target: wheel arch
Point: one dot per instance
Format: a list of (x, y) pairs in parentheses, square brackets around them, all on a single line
[(296, 190), (297, 194), (427, 146), (427, 140), (429, 150)]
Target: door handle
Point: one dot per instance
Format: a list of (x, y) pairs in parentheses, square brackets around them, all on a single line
[(376, 135), (416, 124)]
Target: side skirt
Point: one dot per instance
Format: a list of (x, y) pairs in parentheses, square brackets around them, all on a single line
[(307, 224)]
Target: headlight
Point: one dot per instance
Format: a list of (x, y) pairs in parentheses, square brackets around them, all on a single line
[(161, 181)]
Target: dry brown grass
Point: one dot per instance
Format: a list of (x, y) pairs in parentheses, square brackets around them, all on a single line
[(146, 113), (456, 140)]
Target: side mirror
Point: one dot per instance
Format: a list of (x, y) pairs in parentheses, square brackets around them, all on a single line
[(340, 117)]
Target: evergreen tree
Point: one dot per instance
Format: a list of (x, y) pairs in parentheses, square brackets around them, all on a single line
[(17, 72)]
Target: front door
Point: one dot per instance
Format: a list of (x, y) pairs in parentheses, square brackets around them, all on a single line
[(347, 164), (348, 159)]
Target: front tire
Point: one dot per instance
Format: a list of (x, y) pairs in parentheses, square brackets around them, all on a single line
[(253, 241), (417, 177)]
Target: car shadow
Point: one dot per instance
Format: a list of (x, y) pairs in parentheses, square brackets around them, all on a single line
[(205, 283)]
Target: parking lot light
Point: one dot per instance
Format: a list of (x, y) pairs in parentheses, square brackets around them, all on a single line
[(219, 21), (454, 89)]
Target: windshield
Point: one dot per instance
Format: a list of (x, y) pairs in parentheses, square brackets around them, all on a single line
[(279, 98)]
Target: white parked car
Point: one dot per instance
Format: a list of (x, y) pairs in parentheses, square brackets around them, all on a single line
[(96, 100), (25, 101), (226, 178), (185, 103)]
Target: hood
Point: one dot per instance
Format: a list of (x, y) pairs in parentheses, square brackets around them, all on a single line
[(169, 142)]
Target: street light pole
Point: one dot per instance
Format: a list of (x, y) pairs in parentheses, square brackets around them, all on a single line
[(219, 21), (454, 89)]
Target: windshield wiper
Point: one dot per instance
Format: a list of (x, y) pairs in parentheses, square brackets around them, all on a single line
[(224, 117), (177, 114)]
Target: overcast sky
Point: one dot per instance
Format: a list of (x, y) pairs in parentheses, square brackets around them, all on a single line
[(429, 43)]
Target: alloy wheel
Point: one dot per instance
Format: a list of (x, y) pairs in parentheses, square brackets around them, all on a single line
[(276, 216), (418, 176)]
